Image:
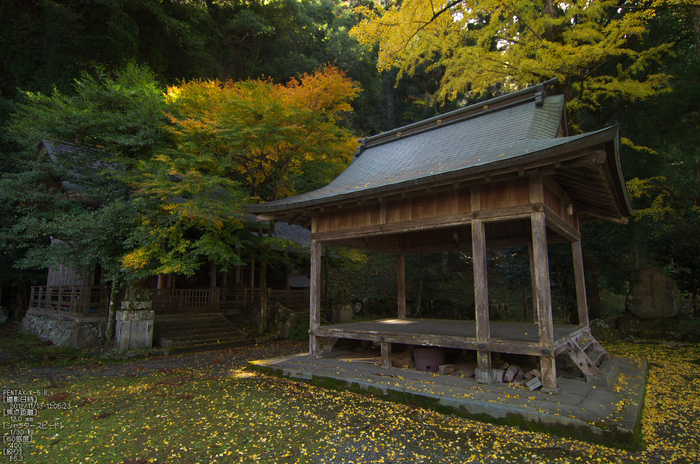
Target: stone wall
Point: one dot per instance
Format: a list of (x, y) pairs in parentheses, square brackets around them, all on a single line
[(75, 334)]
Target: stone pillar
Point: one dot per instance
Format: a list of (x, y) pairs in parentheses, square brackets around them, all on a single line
[(134, 326)]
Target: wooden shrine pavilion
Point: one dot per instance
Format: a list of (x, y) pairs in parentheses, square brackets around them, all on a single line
[(503, 172)]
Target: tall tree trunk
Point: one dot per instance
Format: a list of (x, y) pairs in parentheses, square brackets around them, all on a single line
[(112, 315), (694, 293), (594, 304), (22, 301), (695, 17), (262, 323)]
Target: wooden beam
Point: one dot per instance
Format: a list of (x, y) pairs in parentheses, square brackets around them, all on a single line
[(481, 297), (543, 300), (444, 341), (552, 185), (580, 278), (560, 226), (493, 215), (401, 284), (591, 158), (315, 297), (366, 245)]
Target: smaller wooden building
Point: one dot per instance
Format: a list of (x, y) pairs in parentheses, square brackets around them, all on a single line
[(502, 172)]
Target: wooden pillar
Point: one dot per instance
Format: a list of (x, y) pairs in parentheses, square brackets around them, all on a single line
[(401, 284), (315, 297), (543, 301), (581, 301), (252, 272), (481, 297)]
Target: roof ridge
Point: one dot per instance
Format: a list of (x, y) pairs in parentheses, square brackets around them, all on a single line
[(535, 92)]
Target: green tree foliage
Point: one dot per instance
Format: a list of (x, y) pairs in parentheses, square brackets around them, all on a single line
[(113, 122)]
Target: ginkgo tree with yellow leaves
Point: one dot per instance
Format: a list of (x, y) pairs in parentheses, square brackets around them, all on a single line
[(594, 48)]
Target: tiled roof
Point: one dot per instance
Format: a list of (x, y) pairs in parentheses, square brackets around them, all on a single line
[(468, 140)]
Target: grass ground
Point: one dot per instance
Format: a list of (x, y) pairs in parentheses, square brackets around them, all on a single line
[(207, 408)]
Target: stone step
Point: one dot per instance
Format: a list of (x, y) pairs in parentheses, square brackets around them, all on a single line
[(199, 334), (206, 345), (608, 373), (217, 321), (208, 340)]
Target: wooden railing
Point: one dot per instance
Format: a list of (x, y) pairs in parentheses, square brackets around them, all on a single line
[(92, 300), (221, 299), (72, 300), (290, 298)]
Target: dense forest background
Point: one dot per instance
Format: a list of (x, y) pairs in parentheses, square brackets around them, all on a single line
[(632, 63)]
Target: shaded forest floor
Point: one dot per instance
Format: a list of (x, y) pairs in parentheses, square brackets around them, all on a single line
[(206, 408)]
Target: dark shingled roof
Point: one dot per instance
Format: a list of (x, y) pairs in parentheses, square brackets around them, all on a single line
[(503, 132)]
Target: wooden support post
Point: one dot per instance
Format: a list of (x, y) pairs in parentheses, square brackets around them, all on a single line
[(475, 197), (401, 284), (212, 275), (580, 278), (481, 297), (315, 297), (386, 354), (533, 282), (544, 301), (252, 273)]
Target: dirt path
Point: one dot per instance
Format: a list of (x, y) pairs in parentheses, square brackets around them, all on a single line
[(217, 361)]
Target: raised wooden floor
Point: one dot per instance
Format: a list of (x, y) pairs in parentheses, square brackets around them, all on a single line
[(506, 337)]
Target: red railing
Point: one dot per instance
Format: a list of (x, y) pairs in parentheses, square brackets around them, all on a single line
[(73, 300)]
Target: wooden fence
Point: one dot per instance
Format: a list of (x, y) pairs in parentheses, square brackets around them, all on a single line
[(72, 300)]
